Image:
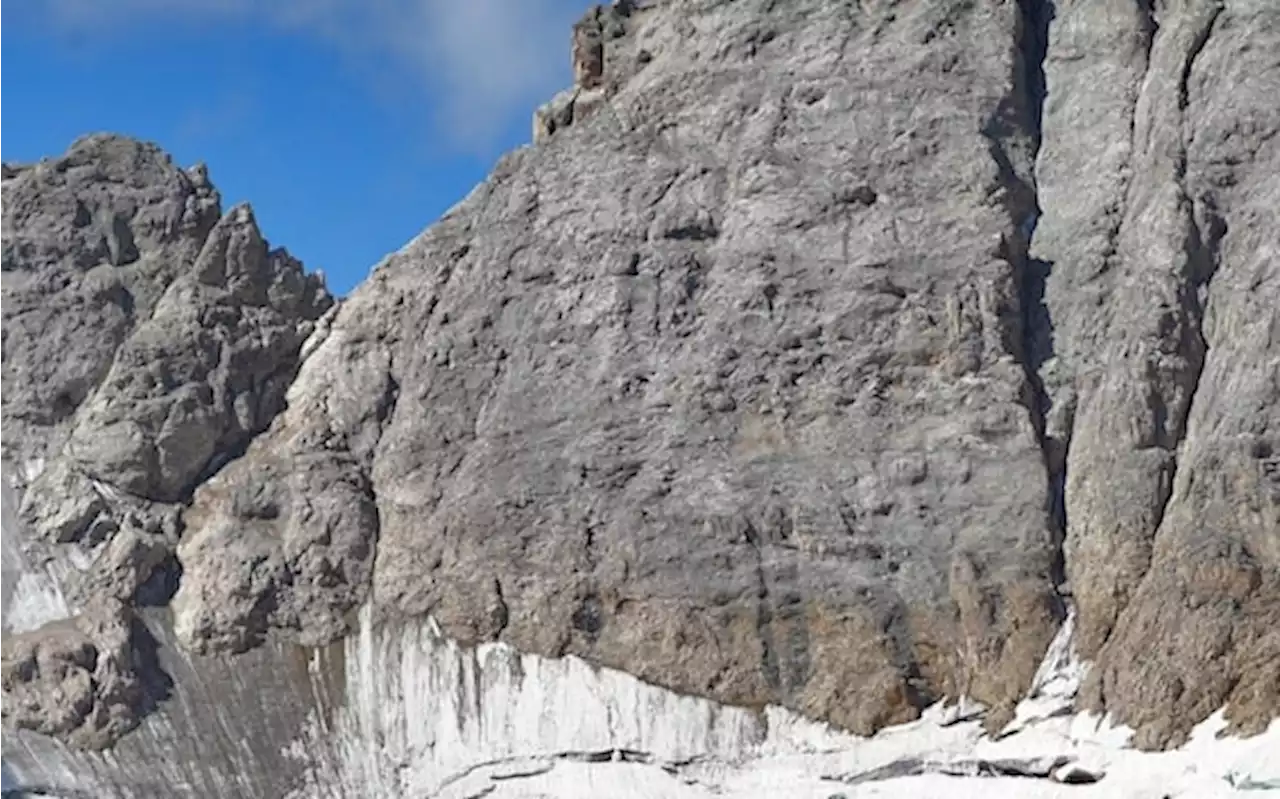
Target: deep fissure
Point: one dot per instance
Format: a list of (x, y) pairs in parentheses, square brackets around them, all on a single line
[(1033, 274), (1201, 250)]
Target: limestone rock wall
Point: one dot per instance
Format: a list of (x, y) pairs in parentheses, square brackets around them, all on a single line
[(723, 387), (821, 362)]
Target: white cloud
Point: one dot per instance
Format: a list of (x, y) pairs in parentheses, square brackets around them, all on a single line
[(482, 63)]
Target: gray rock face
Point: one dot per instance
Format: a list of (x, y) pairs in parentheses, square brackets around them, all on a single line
[(1172, 382), (91, 240), (147, 339), (722, 385), (816, 354), (590, 87)]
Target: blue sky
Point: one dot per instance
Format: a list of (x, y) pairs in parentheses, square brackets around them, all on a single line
[(348, 124)]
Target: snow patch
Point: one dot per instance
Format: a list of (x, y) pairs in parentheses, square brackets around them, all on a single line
[(31, 469), (35, 600), (426, 717), (422, 713), (29, 597)]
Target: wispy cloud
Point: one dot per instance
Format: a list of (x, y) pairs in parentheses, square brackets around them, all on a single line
[(481, 62)]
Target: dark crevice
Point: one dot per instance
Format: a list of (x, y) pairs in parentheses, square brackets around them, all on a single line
[(385, 407), (1151, 24), (500, 614), (1197, 45), (370, 490), (156, 686), (383, 410), (1035, 342), (916, 687), (237, 443), (1205, 229), (160, 586), (764, 611), (535, 765), (1034, 45), (589, 547), (1030, 768), (588, 618)]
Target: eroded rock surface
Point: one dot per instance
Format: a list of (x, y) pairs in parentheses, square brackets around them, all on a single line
[(746, 383), (1161, 352), (816, 354), (86, 680), (147, 338), (593, 36), (722, 386)]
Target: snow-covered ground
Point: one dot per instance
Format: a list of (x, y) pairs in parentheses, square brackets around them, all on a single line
[(494, 723)]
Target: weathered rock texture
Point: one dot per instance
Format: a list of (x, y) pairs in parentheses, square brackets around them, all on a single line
[(722, 387), (590, 89), (813, 366), (86, 680), (147, 338), (1159, 179)]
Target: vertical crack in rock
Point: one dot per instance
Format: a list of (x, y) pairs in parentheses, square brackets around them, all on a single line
[(1200, 250), (1015, 134), (1097, 536), (469, 492), (1126, 353), (764, 610), (1204, 234), (1036, 324), (500, 613), (1034, 46)]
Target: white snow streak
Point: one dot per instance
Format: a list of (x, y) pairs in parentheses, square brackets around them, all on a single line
[(428, 718)]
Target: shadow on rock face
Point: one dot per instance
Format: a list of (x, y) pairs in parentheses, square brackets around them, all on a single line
[(163, 583), (156, 685)]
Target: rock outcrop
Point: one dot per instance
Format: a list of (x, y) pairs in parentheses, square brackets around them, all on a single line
[(87, 680), (1159, 351), (691, 395), (817, 354), (147, 338), (592, 36)]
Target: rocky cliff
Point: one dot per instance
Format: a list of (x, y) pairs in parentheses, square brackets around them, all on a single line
[(817, 354)]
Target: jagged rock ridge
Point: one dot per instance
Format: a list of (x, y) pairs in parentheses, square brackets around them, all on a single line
[(810, 367), (147, 338)]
